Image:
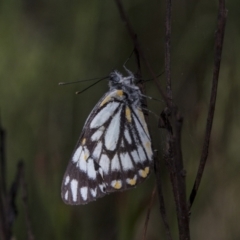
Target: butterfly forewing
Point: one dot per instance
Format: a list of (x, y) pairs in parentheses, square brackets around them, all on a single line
[(114, 150)]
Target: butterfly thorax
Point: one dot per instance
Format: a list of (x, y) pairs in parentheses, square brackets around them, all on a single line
[(131, 92)]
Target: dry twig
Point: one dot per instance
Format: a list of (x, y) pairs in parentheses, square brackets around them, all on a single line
[(148, 213), (8, 208), (173, 140), (161, 200), (222, 17), (4, 230)]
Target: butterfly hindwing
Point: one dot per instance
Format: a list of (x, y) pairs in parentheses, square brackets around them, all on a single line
[(113, 153)]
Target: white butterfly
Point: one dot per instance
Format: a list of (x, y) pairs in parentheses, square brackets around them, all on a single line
[(114, 150)]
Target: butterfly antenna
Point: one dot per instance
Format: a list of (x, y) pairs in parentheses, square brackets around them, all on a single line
[(86, 80), (151, 98), (124, 65), (159, 75), (79, 92), (151, 112)]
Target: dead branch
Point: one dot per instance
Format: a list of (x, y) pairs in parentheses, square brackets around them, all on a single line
[(4, 230), (218, 45), (161, 200), (137, 46), (148, 213)]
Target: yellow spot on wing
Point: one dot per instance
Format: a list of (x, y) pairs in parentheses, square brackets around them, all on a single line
[(131, 181), (114, 94), (105, 100), (120, 93), (117, 185), (84, 141), (140, 113), (86, 155), (142, 118), (144, 173), (128, 114), (148, 148), (147, 145)]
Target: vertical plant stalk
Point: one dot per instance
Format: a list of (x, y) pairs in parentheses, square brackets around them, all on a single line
[(148, 213), (218, 45), (25, 201), (8, 208), (19, 184), (137, 46), (4, 230), (173, 151), (179, 174), (161, 200), (168, 49), (139, 51)]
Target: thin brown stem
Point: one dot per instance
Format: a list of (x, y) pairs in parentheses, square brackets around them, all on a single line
[(133, 35), (25, 203), (168, 48), (180, 174), (161, 199), (148, 213), (173, 140), (4, 231), (219, 37)]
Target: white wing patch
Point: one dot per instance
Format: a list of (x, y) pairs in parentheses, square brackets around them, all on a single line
[(103, 115), (77, 154), (86, 153), (74, 188), (141, 154), (94, 192), (104, 163), (115, 163), (66, 195), (82, 163), (135, 156), (97, 151), (83, 192), (91, 172), (126, 161), (144, 137), (97, 135), (112, 133), (67, 179), (127, 136), (141, 118)]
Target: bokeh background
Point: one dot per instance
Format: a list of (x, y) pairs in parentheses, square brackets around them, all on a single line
[(46, 42)]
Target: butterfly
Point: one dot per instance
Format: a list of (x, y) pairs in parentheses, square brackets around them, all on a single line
[(114, 151)]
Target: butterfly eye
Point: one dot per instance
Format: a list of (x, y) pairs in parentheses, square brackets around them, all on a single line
[(115, 77)]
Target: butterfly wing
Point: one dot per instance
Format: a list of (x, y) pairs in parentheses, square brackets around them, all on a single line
[(131, 157), (113, 153)]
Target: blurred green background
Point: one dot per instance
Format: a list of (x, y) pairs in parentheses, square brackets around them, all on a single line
[(46, 42)]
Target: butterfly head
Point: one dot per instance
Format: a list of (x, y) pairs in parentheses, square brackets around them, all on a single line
[(116, 79), (127, 85)]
